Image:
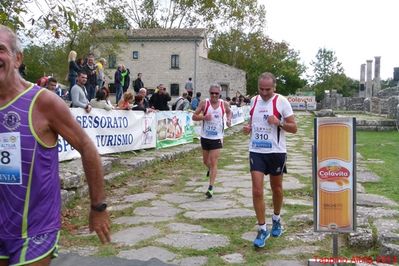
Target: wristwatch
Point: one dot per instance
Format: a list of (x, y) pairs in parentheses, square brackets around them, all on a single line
[(99, 207)]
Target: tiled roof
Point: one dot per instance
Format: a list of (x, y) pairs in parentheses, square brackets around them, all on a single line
[(158, 33)]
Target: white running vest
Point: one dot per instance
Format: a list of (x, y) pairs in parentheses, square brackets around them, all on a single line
[(266, 138), (213, 129)]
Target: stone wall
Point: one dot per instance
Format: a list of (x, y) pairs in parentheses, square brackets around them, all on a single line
[(376, 105), (389, 92), (210, 71)]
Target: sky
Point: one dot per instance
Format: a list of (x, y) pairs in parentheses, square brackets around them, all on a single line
[(356, 30)]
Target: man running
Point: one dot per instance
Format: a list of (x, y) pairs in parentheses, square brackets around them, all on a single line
[(271, 116), (30, 196), (211, 112)]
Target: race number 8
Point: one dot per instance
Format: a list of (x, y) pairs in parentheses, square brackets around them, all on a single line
[(5, 157)]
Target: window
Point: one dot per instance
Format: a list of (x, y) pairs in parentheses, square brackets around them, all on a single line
[(135, 54), (174, 61), (174, 89), (225, 90), (112, 61)]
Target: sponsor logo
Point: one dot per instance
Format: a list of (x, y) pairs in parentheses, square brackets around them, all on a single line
[(11, 120), (333, 172), (39, 239)]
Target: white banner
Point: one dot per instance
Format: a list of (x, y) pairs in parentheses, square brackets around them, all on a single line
[(302, 102), (112, 131)]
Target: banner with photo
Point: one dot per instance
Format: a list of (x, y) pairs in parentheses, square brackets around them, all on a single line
[(112, 131), (240, 114), (173, 128)]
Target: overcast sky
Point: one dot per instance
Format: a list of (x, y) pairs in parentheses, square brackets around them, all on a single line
[(357, 30)]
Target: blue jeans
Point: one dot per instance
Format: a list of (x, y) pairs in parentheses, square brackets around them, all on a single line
[(91, 91), (118, 92), (72, 82)]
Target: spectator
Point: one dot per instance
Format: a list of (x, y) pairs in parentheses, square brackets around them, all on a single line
[(126, 103), (183, 103), (74, 68), (159, 100), (101, 101), (138, 83), (22, 70), (233, 101), (100, 72), (195, 102), (118, 83), (125, 78), (138, 103), (189, 87), (90, 69), (80, 62), (146, 102), (79, 93), (52, 84), (42, 82), (106, 92)]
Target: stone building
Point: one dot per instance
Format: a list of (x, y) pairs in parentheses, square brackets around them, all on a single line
[(170, 57)]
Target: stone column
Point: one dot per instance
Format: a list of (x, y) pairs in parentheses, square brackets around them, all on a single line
[(369, 81), (377, 76), (362, 85)]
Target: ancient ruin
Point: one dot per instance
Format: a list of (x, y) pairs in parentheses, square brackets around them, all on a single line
[(371, 99)]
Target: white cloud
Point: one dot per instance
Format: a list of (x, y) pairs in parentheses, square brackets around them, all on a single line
[(357, 30)]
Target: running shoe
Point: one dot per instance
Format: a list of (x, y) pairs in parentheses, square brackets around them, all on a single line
[(260, 240), (277, 230), (209, 194)]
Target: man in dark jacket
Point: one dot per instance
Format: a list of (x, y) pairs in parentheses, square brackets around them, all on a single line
[(118, 84), (90, 69), (160, 99), (138, 83)]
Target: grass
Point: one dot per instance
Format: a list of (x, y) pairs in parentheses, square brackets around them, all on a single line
[(382, 146), (372, 145)]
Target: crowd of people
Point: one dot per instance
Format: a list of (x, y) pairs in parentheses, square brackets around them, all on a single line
[(89, 88), (30, 197)]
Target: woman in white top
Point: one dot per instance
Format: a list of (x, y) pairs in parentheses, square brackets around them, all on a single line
[(101, 101)]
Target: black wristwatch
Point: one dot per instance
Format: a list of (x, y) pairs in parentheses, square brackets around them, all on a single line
[(99, 207)]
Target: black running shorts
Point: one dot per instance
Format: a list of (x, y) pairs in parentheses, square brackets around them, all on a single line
[(268, 163), (211, 144)]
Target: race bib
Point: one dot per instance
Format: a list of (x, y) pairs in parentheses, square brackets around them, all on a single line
[(10, 158), (260, 137)]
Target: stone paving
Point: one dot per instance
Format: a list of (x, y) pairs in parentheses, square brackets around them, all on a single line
[(157, 223)]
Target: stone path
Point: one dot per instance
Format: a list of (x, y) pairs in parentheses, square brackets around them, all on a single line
[(159, 225)]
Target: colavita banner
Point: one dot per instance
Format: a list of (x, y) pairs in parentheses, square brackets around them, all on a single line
[(334, 174), (302, 102)]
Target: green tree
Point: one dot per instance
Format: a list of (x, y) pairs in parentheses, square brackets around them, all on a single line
[(10, 13), (115, 19), (255, 53), (327, 72), (191, 13)]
